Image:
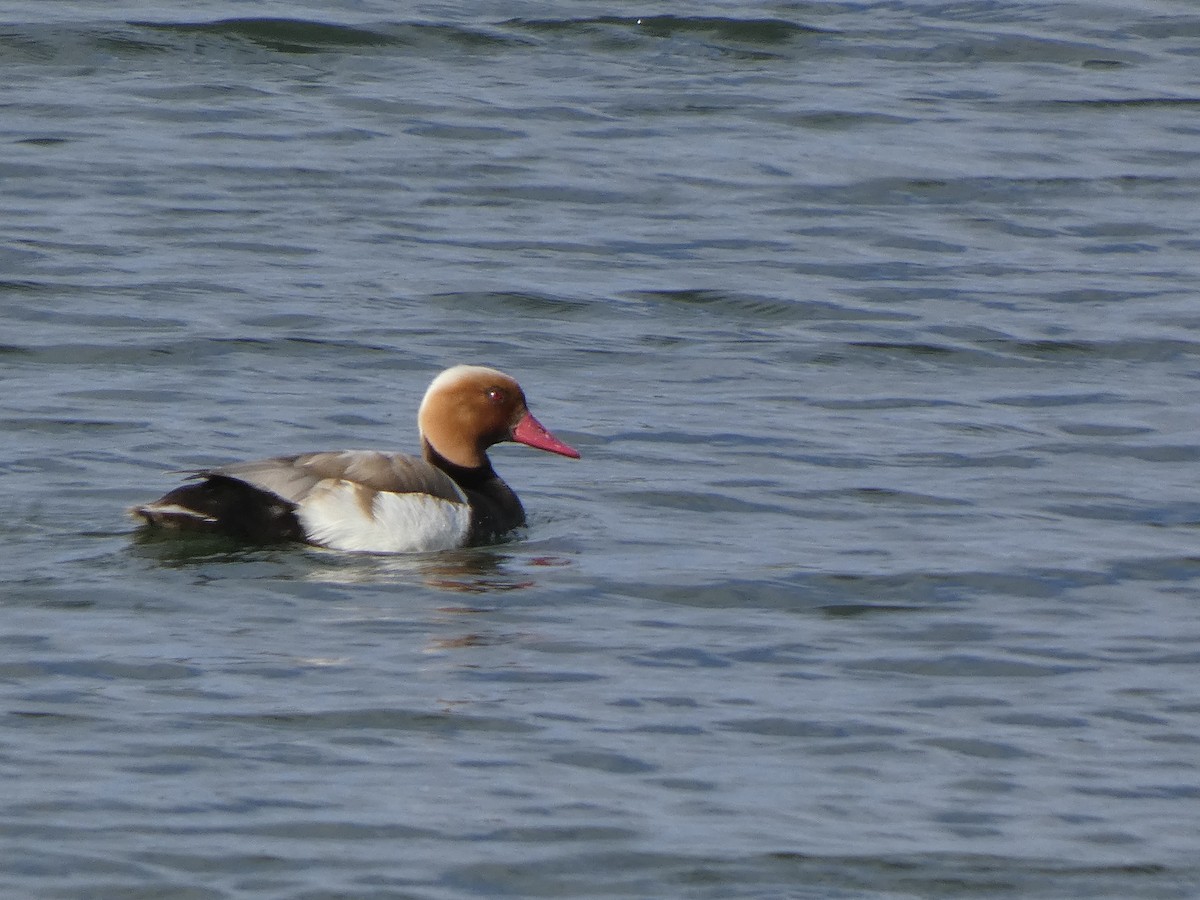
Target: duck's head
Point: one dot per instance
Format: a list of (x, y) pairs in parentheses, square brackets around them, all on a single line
[(469, 408)]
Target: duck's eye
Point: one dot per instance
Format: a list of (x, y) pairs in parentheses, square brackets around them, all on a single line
[(496, 395)]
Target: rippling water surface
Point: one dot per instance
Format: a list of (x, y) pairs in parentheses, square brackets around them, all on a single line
[(876, 324)]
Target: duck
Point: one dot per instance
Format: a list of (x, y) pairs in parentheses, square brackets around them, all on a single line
[(376, 501)]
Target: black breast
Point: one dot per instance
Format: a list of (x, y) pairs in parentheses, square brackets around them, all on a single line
[(495, 508)]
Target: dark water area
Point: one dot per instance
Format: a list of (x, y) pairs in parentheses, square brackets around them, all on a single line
[(876, 325)]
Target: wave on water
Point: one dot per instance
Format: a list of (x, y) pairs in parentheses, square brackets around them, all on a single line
[(864, 875), (56, 43), (42, 42), (741, 38), (307, 36), (750, 30)]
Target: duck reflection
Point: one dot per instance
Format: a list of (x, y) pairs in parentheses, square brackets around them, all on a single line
[(477, 570), (469, 576), (474, 571)]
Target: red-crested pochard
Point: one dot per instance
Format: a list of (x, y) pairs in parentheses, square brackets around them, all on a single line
[(372, 501)]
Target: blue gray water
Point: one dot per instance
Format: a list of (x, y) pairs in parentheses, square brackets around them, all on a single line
[(876, 324)]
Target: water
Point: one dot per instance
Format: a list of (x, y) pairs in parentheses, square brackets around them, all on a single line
[(875, 324)]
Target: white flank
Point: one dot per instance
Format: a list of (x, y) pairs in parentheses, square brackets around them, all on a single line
[(335, 515)]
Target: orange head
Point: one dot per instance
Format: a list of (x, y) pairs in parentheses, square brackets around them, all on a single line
[(469, 408)]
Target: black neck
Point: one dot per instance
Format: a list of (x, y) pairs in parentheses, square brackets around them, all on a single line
[(473, 477)]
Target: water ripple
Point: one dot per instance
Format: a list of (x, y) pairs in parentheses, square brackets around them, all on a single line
[(875, 324)]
